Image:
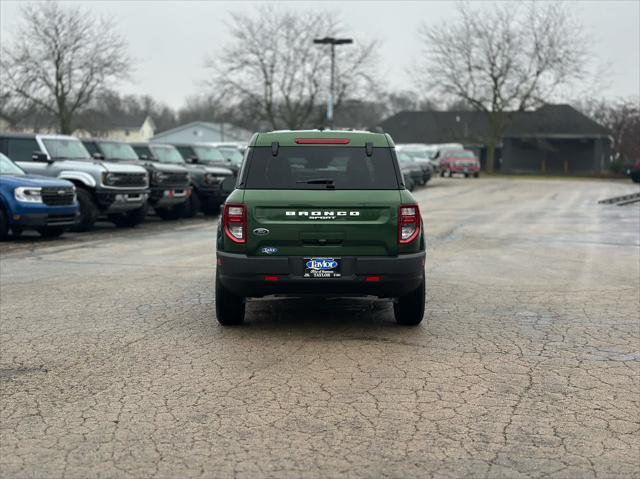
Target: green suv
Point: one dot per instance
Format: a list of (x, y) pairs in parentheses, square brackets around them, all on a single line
[(320, 213)]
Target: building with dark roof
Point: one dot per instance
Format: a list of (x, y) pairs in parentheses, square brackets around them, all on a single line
[(554, 139)]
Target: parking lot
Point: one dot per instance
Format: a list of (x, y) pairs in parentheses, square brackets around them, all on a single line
[(527, 365)]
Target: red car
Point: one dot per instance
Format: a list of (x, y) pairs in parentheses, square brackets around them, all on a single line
[(459, 161)]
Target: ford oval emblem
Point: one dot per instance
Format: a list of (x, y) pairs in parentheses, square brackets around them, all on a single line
[(261, 231), (269, 250), (322, 264)]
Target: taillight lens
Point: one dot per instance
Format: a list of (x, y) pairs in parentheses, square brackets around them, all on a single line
[(408, 223), (235, 223), (322, 141)]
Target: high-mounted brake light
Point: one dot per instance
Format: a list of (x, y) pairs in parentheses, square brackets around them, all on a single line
[(235, 223), (408, 223), (322, 141)]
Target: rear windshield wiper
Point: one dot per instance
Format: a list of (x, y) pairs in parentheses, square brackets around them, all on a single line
[(317, 181)]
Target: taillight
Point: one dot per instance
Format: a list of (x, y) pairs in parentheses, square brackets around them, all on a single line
[(408, 223), (235, 223), (322, 141)]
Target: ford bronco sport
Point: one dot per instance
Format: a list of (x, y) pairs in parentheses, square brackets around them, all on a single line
[(324, 213)]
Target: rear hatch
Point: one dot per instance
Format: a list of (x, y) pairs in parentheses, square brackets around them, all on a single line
[(322, 223), (322, 201)]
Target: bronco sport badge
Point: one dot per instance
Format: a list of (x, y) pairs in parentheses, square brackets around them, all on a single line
[(322, 214)]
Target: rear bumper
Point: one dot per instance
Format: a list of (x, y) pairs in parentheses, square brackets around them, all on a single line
[(396, 276), (464, 169)]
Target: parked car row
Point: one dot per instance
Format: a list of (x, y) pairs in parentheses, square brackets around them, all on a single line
[(99, 178), (446, 159)]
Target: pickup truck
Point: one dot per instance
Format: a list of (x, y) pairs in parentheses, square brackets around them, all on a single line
[(108, 189), (320, 213)]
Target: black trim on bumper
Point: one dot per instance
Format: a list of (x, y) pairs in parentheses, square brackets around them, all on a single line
[(245, 275), (38, 220), (106, 200)]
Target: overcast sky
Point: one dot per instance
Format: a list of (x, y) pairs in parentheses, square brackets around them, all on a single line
[(170, 40)]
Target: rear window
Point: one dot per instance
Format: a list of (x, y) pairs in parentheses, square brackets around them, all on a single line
[(321, 167)]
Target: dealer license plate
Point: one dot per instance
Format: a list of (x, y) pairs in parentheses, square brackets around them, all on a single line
[(322, 268)]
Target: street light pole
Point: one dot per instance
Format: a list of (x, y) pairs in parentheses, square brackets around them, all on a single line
[(332, 42)]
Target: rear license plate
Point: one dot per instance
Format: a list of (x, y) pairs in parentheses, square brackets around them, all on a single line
[(322, 268)]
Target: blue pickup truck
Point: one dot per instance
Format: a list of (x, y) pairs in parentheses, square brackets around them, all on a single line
[(46, 205)]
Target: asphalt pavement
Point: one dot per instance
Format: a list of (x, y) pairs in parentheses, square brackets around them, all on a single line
[(527, 365)]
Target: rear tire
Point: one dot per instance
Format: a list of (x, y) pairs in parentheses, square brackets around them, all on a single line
[(130, 218), (211, 208), (476, 175), (409, 309), (88, 211), (51, 232), (168, 214), (192, 205), (4, 225), (230, 308)]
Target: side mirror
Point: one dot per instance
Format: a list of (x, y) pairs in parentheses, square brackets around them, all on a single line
[(144, 157), (97, 156), (40, 156), (229, 184), (193, 159)]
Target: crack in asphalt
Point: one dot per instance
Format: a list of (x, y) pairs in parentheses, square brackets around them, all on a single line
[(527, 364)]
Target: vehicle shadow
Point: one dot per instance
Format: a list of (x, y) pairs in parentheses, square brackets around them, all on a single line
[(326, 319), (104, 229)]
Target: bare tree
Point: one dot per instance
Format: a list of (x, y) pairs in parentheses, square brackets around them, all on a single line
[(272, 63), (60, 58), (514, 57), (622, 118), (109, 109)]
